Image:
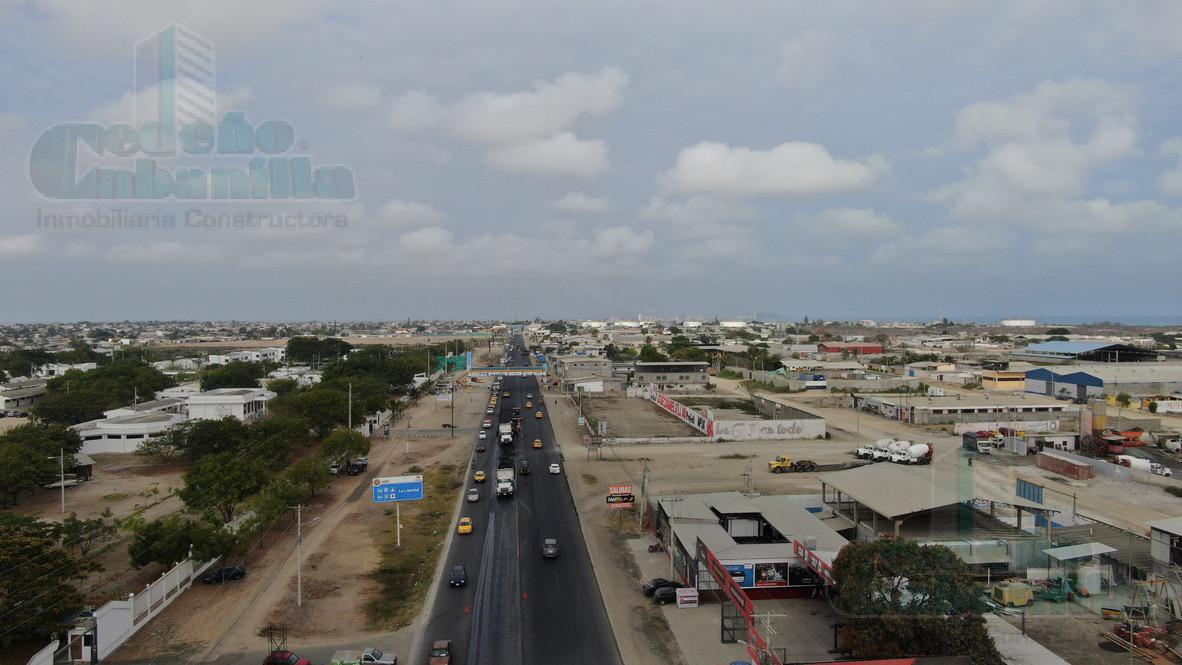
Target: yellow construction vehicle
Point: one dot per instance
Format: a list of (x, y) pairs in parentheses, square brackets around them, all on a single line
[(784, 463)]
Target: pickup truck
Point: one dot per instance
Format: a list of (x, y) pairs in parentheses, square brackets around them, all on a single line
[(366, 656)]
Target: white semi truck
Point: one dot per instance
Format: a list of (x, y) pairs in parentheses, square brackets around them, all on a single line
[(505, 482), (505, 433)]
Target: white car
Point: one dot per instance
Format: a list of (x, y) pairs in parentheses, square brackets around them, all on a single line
[(483, 435), (554, 468), (473, 495)]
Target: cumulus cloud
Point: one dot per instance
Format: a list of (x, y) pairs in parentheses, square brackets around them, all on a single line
[(526, 132), (1045, 143), (26, 244), (844, 222), (561, 154), (793, 168), (163, 252), (580, 202), (621, 241), (407, 213), (430, 239), (351, 96)]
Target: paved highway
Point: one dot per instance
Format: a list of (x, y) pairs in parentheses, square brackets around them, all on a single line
[(517, 606)]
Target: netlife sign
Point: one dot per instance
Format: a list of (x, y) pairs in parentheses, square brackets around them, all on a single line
[(620, 496), (395, 489)]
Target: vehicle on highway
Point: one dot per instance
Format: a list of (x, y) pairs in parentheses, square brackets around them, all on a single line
[(483, 435), (489, 411), (473, 495), (529, 405), (357, 466), (523, 468), (537, 443), (480, 447), (538, 415), (465, 525), (550, 548), (666, 594), (555, 469), (458, 577), (529, 395), (224, 574), (505, 394), (486, 424), (366, 656), (440, 653), (479, 476)]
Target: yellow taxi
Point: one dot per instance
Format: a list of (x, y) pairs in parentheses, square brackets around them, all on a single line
[(529, 405), (478, 476), (465, 525), (539, 415), (505, 394), (537, 443)]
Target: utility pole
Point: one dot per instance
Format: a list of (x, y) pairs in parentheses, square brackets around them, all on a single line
[(350, 406), (62, 460), (643, 499), (299, 556)]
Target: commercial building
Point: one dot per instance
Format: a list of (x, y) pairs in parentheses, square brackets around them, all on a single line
[(1045, 353), (124, 433), (853, 348), (672, 375), (1083, 381), (1005, 377), (895, 501), (752, 538), (974, 412), (245, 404)]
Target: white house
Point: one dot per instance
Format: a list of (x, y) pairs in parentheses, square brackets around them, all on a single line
[(302, 374), (245, 404), (51, 370)]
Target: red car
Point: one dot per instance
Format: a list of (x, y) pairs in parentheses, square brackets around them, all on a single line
[(285, 658), (440, 653)]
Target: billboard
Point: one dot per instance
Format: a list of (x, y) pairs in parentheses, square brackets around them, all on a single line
[(620, 496), (397, 488), (771, 574), (743, 573), (689, 416)]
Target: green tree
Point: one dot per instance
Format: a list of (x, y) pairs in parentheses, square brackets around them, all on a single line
[(1153, 407), (164, 448), (901, 598), (272, 440), (282, 387), (28, 551), (1057, 338), (84, 535), (1124, 399), (316, 350), (200, 438), (71, 408), (21, 470), (217, 484), (343, 445), (233, 375), (48, 441), (1058, 331), (170, 540), (650, 354), (323, 409), (311, 473)]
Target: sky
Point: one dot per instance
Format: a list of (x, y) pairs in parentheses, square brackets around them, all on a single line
[(887, 160)]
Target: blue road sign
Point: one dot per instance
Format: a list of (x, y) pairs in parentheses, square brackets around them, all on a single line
[(397, 488)]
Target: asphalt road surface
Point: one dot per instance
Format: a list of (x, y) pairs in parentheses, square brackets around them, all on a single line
[(518, 607)]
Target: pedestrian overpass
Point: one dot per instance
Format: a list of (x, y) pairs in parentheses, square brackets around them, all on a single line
[(508, 371)]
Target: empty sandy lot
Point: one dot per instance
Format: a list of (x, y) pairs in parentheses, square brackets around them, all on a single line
[(634, 417)]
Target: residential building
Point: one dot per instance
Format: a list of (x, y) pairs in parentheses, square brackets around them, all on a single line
[(51, 370), (672, 375), (852, 348)]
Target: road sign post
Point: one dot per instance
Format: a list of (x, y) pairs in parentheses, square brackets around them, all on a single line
[(395, 490)]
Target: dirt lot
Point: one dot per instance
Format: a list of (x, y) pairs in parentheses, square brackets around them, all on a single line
[(634, 417), (1075, 639), (8, 423)]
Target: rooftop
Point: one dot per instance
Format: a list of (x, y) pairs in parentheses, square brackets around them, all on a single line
[(893, 490), (970, 400)]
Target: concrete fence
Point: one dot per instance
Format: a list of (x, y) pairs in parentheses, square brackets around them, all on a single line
[(118, 620)]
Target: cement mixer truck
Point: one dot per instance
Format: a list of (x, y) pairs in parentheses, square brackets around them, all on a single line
[(867, 451), (884, 448), (916, 453), (1144, 465)]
